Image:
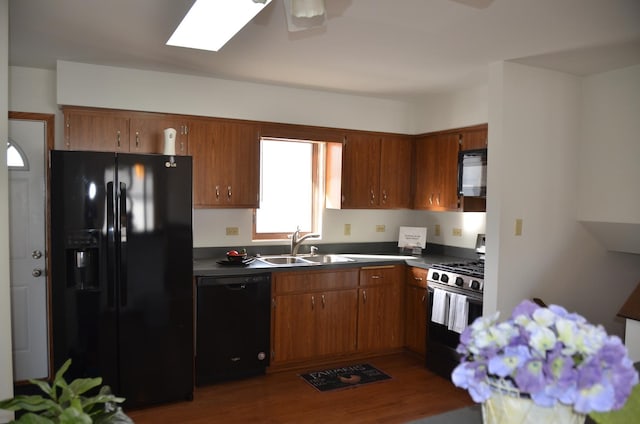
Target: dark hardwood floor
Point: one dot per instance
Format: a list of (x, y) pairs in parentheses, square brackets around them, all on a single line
[(283, 397)]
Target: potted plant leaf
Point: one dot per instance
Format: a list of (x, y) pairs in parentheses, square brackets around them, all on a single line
[(67, 403)]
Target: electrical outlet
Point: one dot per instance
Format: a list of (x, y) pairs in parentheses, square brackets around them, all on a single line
[(457, 232), (232, 231), (347, 229), (437, 230), (380, 228), (518, 229)]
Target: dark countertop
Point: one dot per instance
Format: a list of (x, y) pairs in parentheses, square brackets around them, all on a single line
[(211, 267)]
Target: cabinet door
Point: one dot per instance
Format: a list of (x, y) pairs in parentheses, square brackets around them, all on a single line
[(395, 172), (415, 334), (294, 335), (474, 139), (360, 171), (436, 172), (208, 160), (147, 133), (240, 175), (226, 164), (99, 131), (336, 322), (379, 319), (379, 308)]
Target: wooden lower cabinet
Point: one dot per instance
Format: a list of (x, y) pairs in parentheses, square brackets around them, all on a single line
[(313, 314), (380, 299), (415, 312)]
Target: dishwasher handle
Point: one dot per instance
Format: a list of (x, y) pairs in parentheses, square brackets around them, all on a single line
[(235, 282)]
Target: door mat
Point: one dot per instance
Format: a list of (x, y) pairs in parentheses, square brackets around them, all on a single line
[(344, 377)]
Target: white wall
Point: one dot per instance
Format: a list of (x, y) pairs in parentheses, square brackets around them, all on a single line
[(534, 136), (6, 372), (450, 110), (611, 135), (120, 88)]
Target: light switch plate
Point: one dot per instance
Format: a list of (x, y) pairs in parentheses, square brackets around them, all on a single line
[(232, 231), (347, 229), (518, 229)]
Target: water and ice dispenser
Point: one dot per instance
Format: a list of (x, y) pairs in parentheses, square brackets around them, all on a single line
[(83, 257)]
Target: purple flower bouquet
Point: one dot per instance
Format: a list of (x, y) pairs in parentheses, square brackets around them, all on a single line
[(551, 355)]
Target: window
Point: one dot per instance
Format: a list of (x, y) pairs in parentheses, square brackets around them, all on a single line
[(291, 188), (16, 159)]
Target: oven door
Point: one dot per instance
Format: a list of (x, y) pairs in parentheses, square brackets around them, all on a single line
[(441, 356)]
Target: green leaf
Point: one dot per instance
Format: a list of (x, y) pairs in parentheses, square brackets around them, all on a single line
[(72, 415), (83, 385), (30, 418), (34, 403), (629, 412), (44, 386)]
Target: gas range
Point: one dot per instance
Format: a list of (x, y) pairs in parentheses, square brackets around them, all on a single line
[(462, 277)]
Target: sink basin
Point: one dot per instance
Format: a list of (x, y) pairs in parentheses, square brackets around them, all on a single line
[(283, 260), (303, 260), (327, 259)]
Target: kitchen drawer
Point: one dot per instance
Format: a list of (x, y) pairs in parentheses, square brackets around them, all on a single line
[(310, 281), (417, 277), (383, 274)]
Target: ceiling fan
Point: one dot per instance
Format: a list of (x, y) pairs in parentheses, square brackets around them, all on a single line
[(307, 14), (209, 24)]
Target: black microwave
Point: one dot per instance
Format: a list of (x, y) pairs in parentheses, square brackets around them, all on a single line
[(472, 173)]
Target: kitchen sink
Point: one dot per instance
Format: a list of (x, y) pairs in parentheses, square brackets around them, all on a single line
[(303, 260), (283, 260), (328, 259)]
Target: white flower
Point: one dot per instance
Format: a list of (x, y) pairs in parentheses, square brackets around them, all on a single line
[(542, 338), (544, 317)]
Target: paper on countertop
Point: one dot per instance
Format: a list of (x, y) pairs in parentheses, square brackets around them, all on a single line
[(412, 237)]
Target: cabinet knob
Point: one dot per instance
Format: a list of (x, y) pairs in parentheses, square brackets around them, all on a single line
[(137, 139), (217, 192), (229, 192), (364, 296), (313, 302)]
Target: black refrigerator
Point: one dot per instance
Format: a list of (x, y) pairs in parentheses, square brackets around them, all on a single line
[(121, 272)]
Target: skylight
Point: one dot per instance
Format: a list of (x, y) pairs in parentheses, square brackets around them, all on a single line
[(209, 24)]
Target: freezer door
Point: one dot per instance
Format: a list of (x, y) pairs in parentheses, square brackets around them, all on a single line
[(155, 297), (84, 320)]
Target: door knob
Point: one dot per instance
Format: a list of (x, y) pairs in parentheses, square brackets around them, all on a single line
[(36, 254), (36, 272)]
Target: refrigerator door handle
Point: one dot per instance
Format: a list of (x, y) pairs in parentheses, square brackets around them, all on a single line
[(123, 224), (111, 246)]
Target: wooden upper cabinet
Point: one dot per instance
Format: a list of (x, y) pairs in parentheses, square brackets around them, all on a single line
[(97, 131), (395, 172), (360, 171), (436, 172), (147, 133), (122, 131), (369, 171), (226, 163), (474, 138)]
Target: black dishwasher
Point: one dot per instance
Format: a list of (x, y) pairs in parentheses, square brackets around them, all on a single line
[(232, 327)]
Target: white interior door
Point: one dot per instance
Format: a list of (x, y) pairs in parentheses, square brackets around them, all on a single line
[(29, 315)]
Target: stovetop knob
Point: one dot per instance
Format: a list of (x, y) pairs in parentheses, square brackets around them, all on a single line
[(459, 281), (475, 284)]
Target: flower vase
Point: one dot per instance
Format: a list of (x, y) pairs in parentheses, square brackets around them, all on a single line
[(508, 406)]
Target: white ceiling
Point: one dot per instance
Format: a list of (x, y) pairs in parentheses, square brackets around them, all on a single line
[(383, 48)]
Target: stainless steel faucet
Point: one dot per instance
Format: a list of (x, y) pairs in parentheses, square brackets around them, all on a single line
[(296, 240)]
